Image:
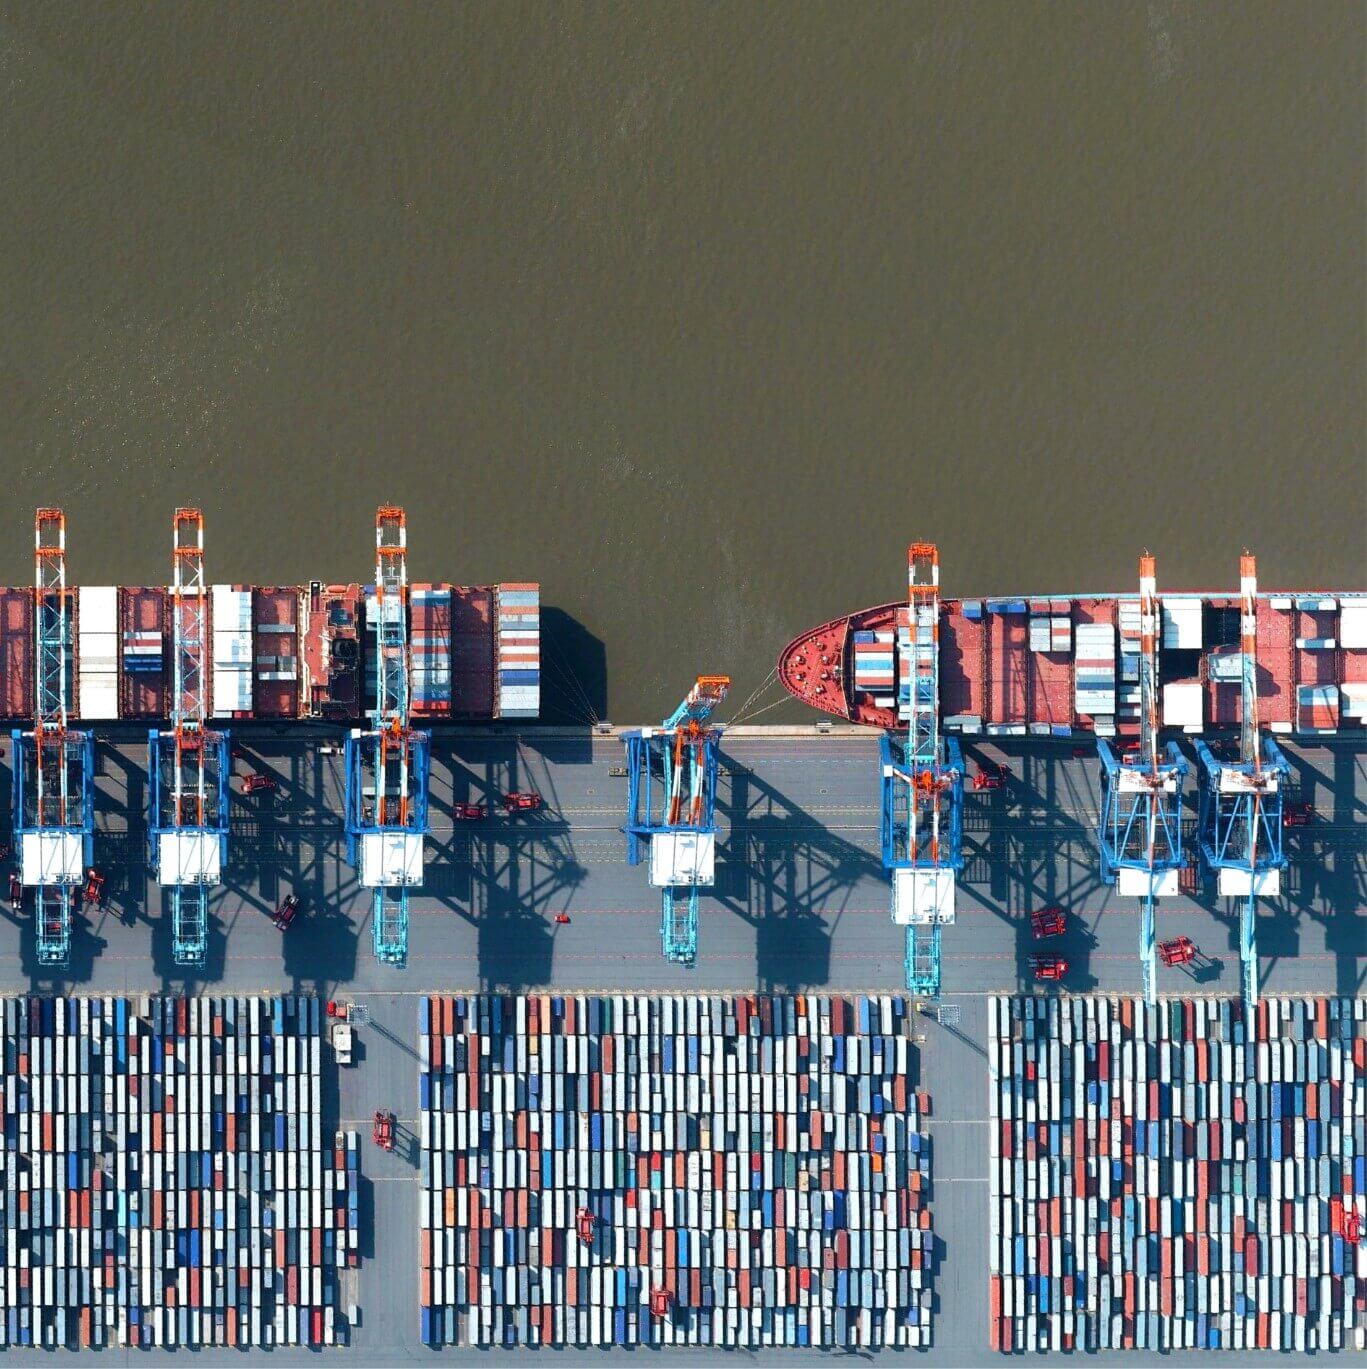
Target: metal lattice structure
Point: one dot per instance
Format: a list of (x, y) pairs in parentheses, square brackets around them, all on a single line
[(387, 765), (676, 765), (922, 783), (188, 768), (1239, 828), (1139, 831), (52, 798)]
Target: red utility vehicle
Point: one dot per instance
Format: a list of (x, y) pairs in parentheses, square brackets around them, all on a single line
[(382, 1132), (562, 918), (661, 1302), (1181, 950), (94, 887), (1049, 968), (1297, 814), (521, 801), (258, 784), (469, 812), (284, 914), (16, 891), (584, 1223), (1048, 922)]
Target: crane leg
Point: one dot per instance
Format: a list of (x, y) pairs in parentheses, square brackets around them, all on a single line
[(1147, 949), (1248, 950)]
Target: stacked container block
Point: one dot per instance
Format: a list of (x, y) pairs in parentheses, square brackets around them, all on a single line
[(758, 1160), (519, 651), (275, 652), (1094, 692), (873, 666), (1176, 1177), (142, 680), (431, 649), (231, 610), (165, 1180), (97, 651)]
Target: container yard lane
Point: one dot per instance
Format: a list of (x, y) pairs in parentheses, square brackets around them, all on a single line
[(543, 904)]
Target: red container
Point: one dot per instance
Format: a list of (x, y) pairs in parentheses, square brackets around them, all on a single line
[(16, 653), (275, 652)]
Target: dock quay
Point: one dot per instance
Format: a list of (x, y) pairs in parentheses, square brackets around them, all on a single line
[(799, 909)]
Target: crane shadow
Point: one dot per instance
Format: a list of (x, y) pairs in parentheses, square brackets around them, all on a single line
[(785, 872)]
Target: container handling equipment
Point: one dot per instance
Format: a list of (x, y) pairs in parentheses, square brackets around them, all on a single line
[(189, 767), (681, 836), (52, 802), (922, 783), (1240, 816), (387, 765), (1139, 831)]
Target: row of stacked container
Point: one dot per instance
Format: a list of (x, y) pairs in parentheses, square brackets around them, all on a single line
[(519, 651), (232, 651), (98, 651), (165, 1180), (753, 1165), (873, 666), (1176, 1176)]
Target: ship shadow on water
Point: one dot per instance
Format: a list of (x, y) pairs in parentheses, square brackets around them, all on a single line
[(786, 873), (574, 671)]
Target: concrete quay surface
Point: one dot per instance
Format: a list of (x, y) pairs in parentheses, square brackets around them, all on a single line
[(801, 904)]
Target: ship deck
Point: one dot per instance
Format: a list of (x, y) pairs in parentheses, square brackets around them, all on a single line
[(801, 903)]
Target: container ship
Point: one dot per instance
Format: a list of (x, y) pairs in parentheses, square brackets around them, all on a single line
[(279, 653), (1059, 664)]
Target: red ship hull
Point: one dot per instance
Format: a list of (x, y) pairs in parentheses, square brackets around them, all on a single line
[(1012, 665)]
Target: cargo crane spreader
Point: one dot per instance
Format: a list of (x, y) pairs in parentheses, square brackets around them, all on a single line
[(188, 768), (53, 796), (922, 783), (681, 834), (387, 765), (1239, 828), (1140, 827)]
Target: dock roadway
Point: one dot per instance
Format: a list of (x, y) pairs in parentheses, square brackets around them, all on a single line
[(801, 904)]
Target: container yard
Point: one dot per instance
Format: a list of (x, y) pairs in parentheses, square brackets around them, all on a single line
[(706, 1171), (1178, 1178), (167, 1182)]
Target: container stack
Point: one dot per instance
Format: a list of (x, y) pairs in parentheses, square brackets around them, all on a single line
[(728, 1172), (519, 651), (873, 668), (1317, 708), (165, 1181), (1094, 675), (232, 626), (1174, 1177), (142, 616), (431, 650), (97, 622), (275, 631)]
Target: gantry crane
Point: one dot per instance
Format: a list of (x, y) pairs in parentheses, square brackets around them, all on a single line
[(682, 837), (1139, 831), (922, 783), (188, 768), (387, 764), (1239, 828), (53, 789)]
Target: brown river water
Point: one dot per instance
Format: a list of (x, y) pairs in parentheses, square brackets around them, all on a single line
[(697, 314)]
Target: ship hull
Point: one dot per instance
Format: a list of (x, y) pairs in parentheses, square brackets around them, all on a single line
[(1060, 665)]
